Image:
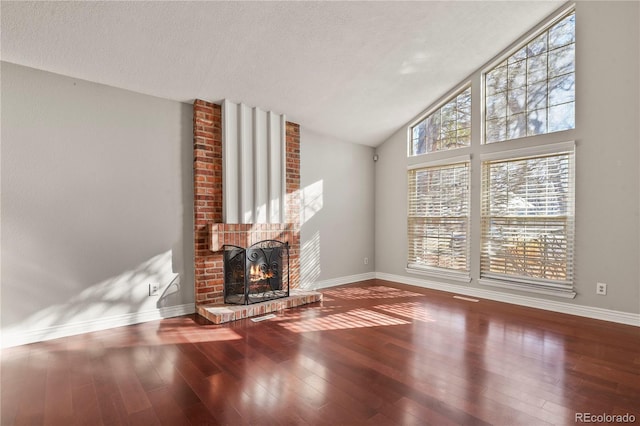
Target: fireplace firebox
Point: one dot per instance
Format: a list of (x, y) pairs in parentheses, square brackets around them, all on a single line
[(257, 273)]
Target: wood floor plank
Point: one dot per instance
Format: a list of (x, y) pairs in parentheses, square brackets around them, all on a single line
[(163, 360), (373, 353), (30, 410), (123, 361), (110, 404), (166, 408), (408, 407), (14, 371), (58, 407), (86, 409), (144, 417)]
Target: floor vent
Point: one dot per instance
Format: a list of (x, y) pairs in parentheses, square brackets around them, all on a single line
[(263, 318), (468, 299)]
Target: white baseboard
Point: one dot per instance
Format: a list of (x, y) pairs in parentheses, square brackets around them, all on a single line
[(340, 281), (65, 330), (531, 302)]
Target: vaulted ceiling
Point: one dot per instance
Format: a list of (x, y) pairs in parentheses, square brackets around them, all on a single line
[(356, 71)]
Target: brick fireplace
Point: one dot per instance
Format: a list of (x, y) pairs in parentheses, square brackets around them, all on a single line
[(210, 233)]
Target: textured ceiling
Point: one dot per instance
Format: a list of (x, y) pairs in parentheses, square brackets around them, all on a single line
[(357, 71)]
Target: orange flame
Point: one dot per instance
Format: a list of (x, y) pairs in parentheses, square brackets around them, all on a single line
[(256, 273)]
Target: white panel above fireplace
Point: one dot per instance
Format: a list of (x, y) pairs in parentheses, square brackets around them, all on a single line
[(253, 150)]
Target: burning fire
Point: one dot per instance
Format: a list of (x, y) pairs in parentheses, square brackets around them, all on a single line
[(257, 274)]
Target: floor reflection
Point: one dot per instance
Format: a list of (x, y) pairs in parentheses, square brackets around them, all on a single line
[(411, 310), (369, 354)]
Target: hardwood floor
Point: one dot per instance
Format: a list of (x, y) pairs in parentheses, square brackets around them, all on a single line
[(372, 353)]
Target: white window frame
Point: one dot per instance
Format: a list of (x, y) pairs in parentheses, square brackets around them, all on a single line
[(540, 286), (452, 94), (437, 272), (543, 27), (478, 152)]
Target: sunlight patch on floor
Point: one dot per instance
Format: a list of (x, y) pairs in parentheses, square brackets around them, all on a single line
[(413, 310), (375, 292), (358, 318)]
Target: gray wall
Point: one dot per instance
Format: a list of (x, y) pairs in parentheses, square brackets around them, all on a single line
[(337, 194), (607, 139), (96, 201)]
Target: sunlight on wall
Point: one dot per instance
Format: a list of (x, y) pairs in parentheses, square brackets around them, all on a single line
[(120, 295), (311, 200), (310, 261)]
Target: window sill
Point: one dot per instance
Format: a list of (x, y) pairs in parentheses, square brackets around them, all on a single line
[(463, 277), (558, 292)]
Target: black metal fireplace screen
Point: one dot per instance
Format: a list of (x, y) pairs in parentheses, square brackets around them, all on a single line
[(257, 273)]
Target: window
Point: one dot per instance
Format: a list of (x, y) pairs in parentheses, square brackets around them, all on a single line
[(438, 222), (527, 218), (532, 92), (446, 128)]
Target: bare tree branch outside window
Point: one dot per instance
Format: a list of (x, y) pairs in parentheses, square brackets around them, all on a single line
[(448, 127), (532, 92)]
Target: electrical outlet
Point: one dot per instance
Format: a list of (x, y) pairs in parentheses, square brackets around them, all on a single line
[(366, 260), (601, 288), (154, 289)]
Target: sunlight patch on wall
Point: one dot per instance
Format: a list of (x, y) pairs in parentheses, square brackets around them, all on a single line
[(127, 292), (312, 200), (310, 261)]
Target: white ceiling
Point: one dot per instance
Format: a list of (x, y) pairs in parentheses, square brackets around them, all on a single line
[(357, 71)]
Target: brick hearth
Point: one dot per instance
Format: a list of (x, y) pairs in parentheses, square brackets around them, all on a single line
[(220, 314)]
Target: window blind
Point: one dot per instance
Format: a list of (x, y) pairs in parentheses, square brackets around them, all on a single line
[(438, 217), (528, 220)]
